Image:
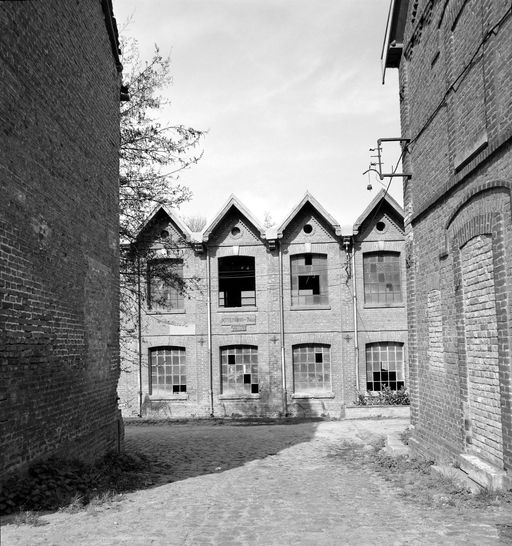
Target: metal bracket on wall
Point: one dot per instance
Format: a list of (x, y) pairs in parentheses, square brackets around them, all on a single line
[(376, 166)]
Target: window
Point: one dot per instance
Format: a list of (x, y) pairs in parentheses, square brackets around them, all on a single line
[(309, 279), (167, 370), (239, 369), (237, 281), (381, 273), (311, 368), (384, 366), (165, 284)]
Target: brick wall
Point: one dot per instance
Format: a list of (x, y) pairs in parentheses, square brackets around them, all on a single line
[(59, 104), (329, 323), (454, 82)]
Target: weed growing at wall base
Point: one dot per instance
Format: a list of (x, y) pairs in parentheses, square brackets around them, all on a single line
[(54, 483), (385, 397)]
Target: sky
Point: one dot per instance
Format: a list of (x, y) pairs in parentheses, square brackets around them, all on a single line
[(289, 91)]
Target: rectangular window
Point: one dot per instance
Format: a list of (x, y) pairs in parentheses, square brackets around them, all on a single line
[(384, 366), (381, 274), (165, 285), (311, 368), (309, 279), (237, 281), (167, 371), (239, 369)]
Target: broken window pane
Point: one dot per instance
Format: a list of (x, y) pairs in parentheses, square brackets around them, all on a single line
[(237, 281)]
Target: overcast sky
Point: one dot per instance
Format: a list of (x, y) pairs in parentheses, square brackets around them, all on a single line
[(289, 91)]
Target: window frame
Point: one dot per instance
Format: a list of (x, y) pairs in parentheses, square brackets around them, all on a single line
[(309, 268), (399, 366), (164, 392), (380, 287), (311, 349), (175, 297), (228, 357), (247, 300)]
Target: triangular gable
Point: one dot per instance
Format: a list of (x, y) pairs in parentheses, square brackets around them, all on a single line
[(173, 216), (383, 195), (308, 198), (232, 202)]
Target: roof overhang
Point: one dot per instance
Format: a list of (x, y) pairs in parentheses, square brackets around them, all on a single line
[(394, 35)]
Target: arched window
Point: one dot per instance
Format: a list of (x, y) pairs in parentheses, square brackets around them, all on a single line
[(237, 281), (239, 369), (311, 367), (381, 274), (167, 370), (309, 279), (384, 365)]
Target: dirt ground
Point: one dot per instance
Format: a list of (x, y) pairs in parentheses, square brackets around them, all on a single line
[(263, 484)]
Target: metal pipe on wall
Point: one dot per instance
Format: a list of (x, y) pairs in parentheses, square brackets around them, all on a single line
[(354, 304), (139, 332), (209, 322), (281, 321)]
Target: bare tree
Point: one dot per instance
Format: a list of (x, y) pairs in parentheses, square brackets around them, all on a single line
[(195, 223)]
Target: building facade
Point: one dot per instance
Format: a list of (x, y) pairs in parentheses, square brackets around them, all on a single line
[(454, 59), (59, 258), (287, 321)]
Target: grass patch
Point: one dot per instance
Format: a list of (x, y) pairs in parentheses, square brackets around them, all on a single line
[(71, 485), (414, 480)]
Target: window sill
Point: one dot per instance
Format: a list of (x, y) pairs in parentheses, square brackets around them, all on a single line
[(311, 307), (239, 396), (248, 309), (313, 395), (383, 305), (169, 397), (166, 312)]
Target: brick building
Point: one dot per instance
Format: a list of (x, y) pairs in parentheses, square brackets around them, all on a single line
[(454, 59), (293, 320), (59, 259)]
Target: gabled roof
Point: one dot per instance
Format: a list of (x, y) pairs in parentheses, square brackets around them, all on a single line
[(308, 198), (173, 215), (233, 202), (383, 195)]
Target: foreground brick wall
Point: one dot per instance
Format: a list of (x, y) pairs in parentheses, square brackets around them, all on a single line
[(59, 104), (456, 93)]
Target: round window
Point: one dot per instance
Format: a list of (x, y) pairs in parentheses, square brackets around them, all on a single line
[(235, 231), (307, 229), (164, 234), (381, 226)]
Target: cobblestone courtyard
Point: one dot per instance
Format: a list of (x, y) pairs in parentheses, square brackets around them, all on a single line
[(265, 484)]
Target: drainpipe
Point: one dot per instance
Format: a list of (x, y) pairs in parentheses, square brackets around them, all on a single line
[(209, 317), (281, 317), (139, 331), (354, 305)]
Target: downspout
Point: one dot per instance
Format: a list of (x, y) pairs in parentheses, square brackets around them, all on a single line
[(209, 320), (281, 325), (354, 305), (139, 328)]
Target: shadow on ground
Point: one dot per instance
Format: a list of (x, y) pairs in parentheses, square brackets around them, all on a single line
[(178, 451)]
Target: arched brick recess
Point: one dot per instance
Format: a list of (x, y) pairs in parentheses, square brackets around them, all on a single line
[(476, 237)]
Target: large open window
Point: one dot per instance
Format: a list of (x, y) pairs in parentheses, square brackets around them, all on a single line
[(311, 368), (168, 373), (381, 274), (309, 279), (165, 285), (237, 281), (239, 369), (384, 365)]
